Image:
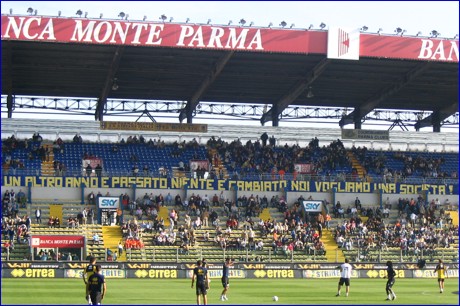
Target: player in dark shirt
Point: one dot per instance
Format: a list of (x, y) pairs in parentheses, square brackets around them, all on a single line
[(391, 280), (87, 272), (200, 273), (225, 278), (96, 287)]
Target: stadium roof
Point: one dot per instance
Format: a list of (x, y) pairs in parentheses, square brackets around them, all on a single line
[(278, 77)]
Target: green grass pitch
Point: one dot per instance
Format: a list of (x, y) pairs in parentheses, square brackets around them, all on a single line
[(242, 291)]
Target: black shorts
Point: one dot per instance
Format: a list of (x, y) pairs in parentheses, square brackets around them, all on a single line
[(225, 282), (440, 279), (201, 289), (96, 298), (345, 281), (390, 283)]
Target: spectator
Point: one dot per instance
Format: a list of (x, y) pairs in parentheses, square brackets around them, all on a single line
[(264, 139), (22, 198), (91, 198), (77, 138), (96, 238), (98, 170), (146, 170), (135, 170), (38, 215), (89, 169)]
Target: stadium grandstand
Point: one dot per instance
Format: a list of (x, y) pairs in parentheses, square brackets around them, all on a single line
[(152, 195)]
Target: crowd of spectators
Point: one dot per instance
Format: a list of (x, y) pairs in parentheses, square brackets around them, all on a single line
[(255, 159), (423, 165), (16, 230), (419, 230)]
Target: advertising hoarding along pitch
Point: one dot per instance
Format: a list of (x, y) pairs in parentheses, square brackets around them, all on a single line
[(57, 241)]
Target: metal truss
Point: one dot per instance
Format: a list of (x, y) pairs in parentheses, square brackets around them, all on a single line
[(137, 108)]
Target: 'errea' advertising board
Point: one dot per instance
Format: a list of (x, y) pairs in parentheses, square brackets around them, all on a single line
[(313, 206), (109, 202)]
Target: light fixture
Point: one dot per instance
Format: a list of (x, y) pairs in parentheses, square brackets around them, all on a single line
[(127, 16), (35, 12), (379, 31), (229, 22), (59, 13), (122, 15), (209, 21), (163, 17), (455, 37), (11, 11), (251, 23), (100, 15), (171, 19), (419, 33), (398, 30), (145, 17), (292, 25), (435, 33), (79, 13), (364, 28), (187, 20), (115, 85), (30, 10), (322, 25), (86, 14), (310, 27), (283, 24), (270, 24), (310, 93), (242, 22)]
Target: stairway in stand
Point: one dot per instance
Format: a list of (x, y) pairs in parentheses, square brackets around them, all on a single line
[(454, 216), (357, 165), (333, 253), (218, 165), (265, 214), (164, 213), (111, 235), (47, 166)]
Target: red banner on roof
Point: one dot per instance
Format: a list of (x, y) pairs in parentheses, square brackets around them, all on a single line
[(417, 48), (134, 33), (142, 33), (57, 241)]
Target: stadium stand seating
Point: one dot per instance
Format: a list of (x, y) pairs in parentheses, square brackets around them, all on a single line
[(122, 162)]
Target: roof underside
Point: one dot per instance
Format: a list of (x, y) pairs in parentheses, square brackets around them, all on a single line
[(155, 73)]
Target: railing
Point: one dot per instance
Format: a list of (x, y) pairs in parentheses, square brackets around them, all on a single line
[(245, 255), (268, 255), (380, 256)]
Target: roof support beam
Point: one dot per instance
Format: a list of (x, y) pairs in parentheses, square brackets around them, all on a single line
[(192, 103), (299, 88), (437, 117), (102, 100), (373, 102)]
